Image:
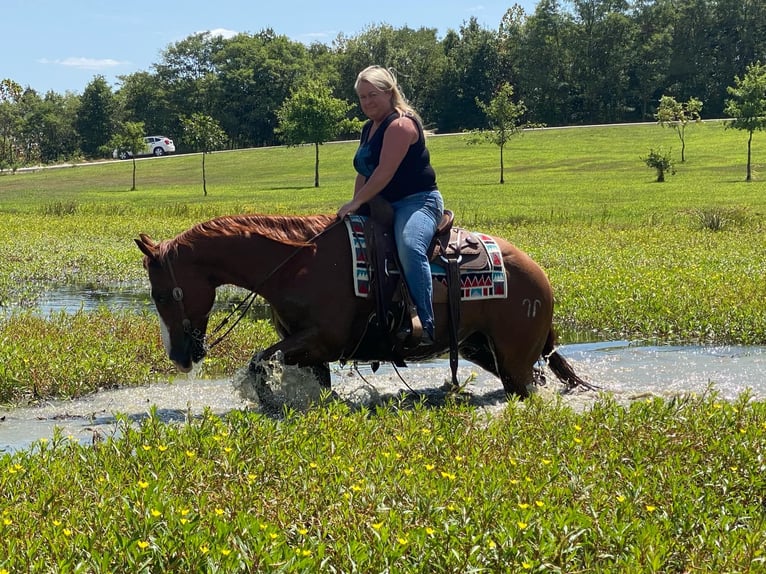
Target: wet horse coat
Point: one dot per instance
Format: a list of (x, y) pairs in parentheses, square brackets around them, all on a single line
[(301, 265)]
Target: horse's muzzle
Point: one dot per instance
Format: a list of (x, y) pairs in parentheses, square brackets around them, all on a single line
[(193, 352)]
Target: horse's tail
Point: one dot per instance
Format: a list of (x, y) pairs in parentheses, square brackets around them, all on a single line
[(559, 365)]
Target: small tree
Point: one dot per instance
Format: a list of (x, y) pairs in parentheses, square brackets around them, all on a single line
[(205, 134), (748, 105), (678, 115), (312, 115), (661, 162), (504, 118), (128, 138)]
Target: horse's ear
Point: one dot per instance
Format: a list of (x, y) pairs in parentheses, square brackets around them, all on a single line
[(147, 246)]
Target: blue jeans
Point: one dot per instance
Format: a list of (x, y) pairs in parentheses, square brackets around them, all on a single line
[(415, 219)]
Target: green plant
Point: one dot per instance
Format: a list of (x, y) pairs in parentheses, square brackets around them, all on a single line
[(661, 162), (656, 486)]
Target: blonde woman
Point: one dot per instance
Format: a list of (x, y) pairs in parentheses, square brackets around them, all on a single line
[(392, 161)]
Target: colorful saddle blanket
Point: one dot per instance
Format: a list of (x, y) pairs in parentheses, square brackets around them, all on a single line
[(487, 283)]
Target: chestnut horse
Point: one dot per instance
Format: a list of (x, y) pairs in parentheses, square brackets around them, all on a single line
[(301, 265)]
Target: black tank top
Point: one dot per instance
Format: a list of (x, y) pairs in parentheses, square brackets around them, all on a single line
[(414, 173)]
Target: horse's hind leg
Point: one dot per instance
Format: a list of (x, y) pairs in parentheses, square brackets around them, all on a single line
[(477, 350), (516, 378)]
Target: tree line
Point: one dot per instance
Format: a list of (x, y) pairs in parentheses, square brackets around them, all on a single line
[(574, 62)]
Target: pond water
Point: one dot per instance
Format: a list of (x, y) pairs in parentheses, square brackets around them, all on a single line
[(628, 371), (73, 299)]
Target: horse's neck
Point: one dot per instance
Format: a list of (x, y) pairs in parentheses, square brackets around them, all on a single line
[(246, 262)]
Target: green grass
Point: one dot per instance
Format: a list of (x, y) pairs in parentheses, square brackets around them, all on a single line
[(659, 486), (680, 261)]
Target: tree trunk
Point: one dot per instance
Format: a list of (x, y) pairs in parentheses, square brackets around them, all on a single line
[(502, 178), (749, 142), (134, 174), (316, 165), (204, 178), (660, 175)]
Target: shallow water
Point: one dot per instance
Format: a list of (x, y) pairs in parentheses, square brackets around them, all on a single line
[(624, 370), (74, 299)]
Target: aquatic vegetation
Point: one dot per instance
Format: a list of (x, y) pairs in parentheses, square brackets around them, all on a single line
[(657, 487)]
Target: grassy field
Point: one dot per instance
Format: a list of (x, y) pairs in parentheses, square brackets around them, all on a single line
[(659, 486), (680, 261)]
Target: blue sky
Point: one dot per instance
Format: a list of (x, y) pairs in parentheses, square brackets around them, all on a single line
[(61, 45)]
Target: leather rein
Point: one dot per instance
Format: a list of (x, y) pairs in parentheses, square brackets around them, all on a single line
[(241, 308)]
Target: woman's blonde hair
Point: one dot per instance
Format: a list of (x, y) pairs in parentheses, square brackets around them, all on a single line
[(385, 80)]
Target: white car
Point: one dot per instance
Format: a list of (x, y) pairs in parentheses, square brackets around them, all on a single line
[(155, 145)]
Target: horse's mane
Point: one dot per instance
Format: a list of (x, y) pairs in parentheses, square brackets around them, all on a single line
[(297, 230)]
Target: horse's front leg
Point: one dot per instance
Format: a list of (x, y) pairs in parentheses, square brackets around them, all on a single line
[(302, 350)]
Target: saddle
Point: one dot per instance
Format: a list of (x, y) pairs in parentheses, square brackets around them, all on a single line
[(455, 243), (452, 247)]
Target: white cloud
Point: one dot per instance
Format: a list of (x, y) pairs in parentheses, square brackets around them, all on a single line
[(319, 36), (222, 32), (84, 63)]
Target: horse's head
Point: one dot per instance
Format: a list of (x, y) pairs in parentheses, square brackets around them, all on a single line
[(184, 297)]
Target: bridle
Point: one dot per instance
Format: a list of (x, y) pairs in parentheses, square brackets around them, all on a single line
[(241, 308), (178, 297)]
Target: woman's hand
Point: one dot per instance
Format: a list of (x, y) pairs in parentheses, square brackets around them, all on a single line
[(348, 208)]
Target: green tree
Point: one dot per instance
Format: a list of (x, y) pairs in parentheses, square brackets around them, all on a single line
[(204, 134), (313, 115), (256, 75), (660, 161), (50, 122), (748, 105), (504, 118), (128, 138), (142, 97), (10, 94), (654, 37), (693, 51), (677, 115), (416, 56), (545, 64), (602, 47), (471, 74), (95, 118)]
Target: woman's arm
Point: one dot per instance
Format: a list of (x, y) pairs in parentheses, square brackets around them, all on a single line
[(399, 136)]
